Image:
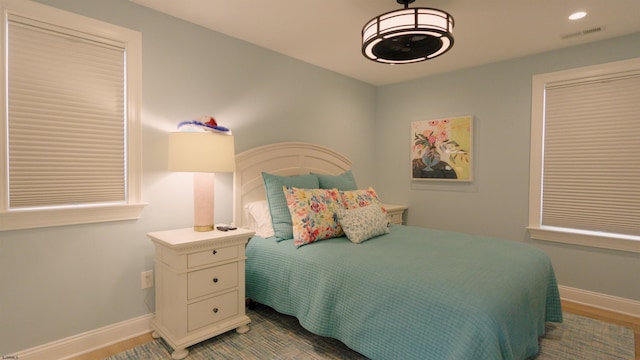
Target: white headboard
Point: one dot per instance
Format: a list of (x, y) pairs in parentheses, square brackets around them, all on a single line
[(284, 159)]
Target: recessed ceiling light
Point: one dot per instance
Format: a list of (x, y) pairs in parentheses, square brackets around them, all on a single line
[(577, 15)]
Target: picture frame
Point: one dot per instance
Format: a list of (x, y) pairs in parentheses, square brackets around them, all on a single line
[(442, 149)]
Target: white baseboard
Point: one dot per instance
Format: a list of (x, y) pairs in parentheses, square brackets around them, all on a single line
[(602, 301), (89, 341)]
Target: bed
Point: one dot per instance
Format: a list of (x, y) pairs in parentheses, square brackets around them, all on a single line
[(411, 293)]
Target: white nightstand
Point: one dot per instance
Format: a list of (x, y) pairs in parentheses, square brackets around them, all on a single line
[(200, 285), (395, 213)]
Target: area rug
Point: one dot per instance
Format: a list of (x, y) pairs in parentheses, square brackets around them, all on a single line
[(277, 336)]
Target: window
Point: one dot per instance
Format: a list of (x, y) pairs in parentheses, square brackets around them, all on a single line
[(70, 132), (585, 156)]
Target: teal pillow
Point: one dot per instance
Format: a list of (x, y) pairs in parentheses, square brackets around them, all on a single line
[(280, 215), (343, 182)]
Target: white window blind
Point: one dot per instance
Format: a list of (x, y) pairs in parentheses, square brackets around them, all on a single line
[(585, 169), (70, 129), (591, 171), (66, 117)]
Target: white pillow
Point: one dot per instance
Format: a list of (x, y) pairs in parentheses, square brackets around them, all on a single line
[(259, 218), (363, 223)]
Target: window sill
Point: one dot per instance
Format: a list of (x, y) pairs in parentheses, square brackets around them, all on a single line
[(592, 240), (18, 220)]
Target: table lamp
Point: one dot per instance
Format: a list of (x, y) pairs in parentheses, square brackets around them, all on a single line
[(203, 153)]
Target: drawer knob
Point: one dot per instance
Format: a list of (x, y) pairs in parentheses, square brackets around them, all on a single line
[(215, 310), (215, 252), (215, 280)]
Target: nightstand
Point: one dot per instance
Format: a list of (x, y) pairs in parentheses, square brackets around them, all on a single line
[(200, 285), (395, 213)]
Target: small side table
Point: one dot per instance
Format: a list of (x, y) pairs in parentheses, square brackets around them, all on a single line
[(200, 285), (395, 213)]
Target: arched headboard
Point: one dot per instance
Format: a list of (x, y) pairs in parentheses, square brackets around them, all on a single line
[(284, 159)]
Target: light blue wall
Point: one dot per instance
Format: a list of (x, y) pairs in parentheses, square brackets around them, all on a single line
[(496, 203), (63, 281)]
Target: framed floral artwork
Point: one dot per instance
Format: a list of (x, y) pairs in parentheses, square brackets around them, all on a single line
[(442, 149)]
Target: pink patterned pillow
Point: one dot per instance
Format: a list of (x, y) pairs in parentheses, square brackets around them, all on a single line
[(360, 198), (313, 214)]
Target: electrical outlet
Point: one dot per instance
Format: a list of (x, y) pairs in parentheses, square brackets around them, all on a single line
[(146, 279)]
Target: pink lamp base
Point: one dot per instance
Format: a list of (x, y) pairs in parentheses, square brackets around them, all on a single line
[(203, 184)]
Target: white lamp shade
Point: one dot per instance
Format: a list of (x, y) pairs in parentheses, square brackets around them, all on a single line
[(201, 152)]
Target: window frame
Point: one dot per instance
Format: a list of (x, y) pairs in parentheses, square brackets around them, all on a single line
[(535, 227), (132, 40)]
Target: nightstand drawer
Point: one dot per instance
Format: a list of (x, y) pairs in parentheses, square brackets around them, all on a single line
[(210, 311), (212, 256), (395, 218), (209, 281)]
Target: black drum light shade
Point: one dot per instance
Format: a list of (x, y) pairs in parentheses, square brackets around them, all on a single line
[(407, 35)]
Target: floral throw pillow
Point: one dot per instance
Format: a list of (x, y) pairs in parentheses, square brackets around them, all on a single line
[(363, 223), (280, 216), (360, 198), (313, 214)]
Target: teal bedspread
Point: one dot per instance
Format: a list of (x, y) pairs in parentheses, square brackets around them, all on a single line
[(414, 293)]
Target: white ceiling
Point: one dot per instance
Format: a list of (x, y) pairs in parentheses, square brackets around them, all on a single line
[(327, 33)]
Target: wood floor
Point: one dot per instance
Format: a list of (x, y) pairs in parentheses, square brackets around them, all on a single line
[(607, 316), (583, 310), (115, 348)]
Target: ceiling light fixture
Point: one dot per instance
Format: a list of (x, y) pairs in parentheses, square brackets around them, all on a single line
[(407, 35)]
